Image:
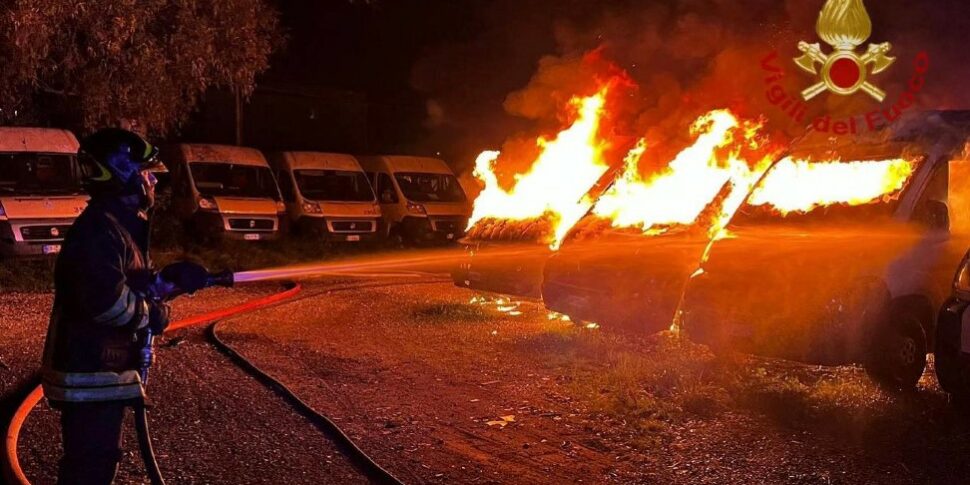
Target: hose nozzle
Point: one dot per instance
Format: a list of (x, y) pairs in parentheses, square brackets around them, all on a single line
[(225, 279)]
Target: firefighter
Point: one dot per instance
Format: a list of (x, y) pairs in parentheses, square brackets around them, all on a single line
[(105, 298)]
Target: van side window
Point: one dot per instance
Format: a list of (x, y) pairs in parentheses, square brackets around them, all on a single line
[(385, 189), (286, 185)]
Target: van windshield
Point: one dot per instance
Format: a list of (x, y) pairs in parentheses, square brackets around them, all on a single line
[(334, 185), (215, 179), (37, 174), (849, 192), (430, 187)]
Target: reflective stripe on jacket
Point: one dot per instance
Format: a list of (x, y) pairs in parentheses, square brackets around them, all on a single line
[(92, 347), (92, 386)]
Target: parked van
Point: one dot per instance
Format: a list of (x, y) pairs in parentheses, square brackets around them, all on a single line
[(225, 191), (327, 195), (421, 200), (40, 190)]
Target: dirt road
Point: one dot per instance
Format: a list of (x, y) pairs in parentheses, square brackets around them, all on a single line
[(442, 390)]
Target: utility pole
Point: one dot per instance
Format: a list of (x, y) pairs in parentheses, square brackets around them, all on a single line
[(239, 116)]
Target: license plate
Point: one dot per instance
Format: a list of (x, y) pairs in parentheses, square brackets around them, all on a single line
[(353, 238), (251, 237), (51, 248)]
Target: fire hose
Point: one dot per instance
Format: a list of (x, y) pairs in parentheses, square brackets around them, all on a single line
[(364, 463), (13, 473)]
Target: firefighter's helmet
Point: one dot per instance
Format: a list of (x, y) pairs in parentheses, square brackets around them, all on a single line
[(112, 158)]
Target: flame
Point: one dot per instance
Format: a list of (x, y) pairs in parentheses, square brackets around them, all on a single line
[(680, 193), (802, 185), (556, 185)]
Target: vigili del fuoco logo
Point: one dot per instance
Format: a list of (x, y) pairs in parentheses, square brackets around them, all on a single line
[(843, 70)]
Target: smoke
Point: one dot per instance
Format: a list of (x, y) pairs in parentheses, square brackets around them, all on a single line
[(508, 83)]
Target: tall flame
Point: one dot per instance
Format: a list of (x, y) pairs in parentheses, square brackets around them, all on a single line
[(557, 183), (680, 193), (802, 186)]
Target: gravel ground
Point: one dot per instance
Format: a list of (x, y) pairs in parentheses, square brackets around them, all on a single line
[(423, 379), (212, 423), (440, 390)]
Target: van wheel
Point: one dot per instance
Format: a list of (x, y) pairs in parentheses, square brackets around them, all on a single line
[(395, 240), (897, 356)]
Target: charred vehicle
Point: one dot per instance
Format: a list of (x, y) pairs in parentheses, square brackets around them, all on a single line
[(40, 190), (854, 282), (841, 283), (503, 257), (224, 191), (619, 278), (509, 256)]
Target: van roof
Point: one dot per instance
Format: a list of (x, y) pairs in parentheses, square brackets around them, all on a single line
[(42, 140), (222, 153), (321, 161), (398, 163)]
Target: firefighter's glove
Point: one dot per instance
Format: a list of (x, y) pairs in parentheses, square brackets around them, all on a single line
[(158, 317), (187, 277)]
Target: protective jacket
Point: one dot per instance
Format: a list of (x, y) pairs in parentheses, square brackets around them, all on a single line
[(99, 313)]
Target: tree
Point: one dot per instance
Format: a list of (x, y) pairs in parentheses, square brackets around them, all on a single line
[(90, 63)]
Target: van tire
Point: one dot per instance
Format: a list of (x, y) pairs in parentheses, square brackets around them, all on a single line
[(897, 354), (395, 239)]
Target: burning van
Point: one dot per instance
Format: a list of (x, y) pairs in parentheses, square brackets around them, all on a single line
[(40, 191), (625, 264), (327, 195), (224, 191), (838, 252), (421, 200), (842, 253)]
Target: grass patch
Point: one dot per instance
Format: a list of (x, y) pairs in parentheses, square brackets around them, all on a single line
[(27, 276), (446, 313), (651, 383)]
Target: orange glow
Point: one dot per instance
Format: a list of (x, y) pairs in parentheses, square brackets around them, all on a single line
[(556, 185), (680, 193), (802, 186)]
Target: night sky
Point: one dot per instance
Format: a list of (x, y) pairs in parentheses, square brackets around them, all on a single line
[(436, 73)]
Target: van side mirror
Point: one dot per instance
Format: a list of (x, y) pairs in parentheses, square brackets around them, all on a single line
[(387, 197), (934, 215)]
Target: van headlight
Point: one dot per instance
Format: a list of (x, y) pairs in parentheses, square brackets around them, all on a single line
[(312, 208), (417, 209), (280, 206), (208, 204), (961, 282)]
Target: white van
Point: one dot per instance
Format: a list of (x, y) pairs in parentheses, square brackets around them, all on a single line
[(40, 190), (224, 191), (421, 200), (327, 195)]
